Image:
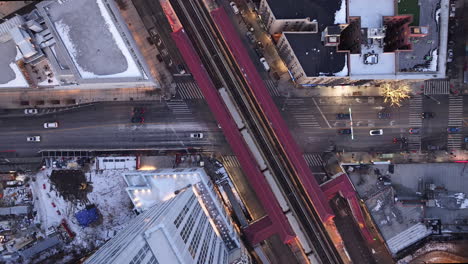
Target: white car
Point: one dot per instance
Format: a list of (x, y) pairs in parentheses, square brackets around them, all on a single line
[(51, 125), (265, 64), (234, 7), (33, 139), (30, 111), (376, 132), (196, 135)]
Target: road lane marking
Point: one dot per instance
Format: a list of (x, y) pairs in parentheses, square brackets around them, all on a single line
[(324, 118)]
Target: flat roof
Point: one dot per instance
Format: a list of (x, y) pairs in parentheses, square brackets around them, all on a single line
[(323, 11), (371, 12), (10, 73), (385, 64), (95, 44), (315, 58)]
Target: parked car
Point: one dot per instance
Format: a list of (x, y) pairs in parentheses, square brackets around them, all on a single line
[(376, 132), (258, 52), (196, 135), (426, 115), (414, 131), (452, 10), (33, 139), (250, 36), (260, 45), (234, 8), (51, 125), (342, 116), (345, 131), (384, 115), (453, 129), (30, 111), (265, 64), (450, 55)]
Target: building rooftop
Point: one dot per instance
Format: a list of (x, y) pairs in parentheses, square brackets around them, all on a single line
[(371, 17), (95, 44), (315, 58), (321, 10), (399, 209)]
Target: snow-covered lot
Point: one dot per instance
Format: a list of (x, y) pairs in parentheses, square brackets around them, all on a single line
[(109, 196)]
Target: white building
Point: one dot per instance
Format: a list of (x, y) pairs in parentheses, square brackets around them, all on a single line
[(182, 221)]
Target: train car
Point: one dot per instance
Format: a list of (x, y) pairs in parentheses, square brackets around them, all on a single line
[(254, 149), (313, 259), (276, 191), (299, 233), (232, 108)]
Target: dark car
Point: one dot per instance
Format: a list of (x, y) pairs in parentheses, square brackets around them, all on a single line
[(138, 110), (258, 52), (342, 116), (383, 115), (453, 129), (345, 131), (398, 140), (427, 115), (138, 119), (414, 130)]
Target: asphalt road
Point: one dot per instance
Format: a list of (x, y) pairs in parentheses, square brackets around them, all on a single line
[(314, 123), (108, 126)]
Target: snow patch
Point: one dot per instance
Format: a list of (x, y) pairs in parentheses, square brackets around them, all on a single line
[(340, 14), (132, 69), (344, 71), (378, 206), (108, 194), (19, 80), (433, 65)]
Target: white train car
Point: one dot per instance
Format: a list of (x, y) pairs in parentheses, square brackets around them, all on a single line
[(299, 233), (313, 259), (231, 108), (254, 149), (276, 191)]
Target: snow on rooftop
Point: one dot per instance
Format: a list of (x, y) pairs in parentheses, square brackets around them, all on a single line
[(19, 80), (371, 11), (340, 14), (159, 188), (344, 72), (385, 65), (433, 65), (63, 30)]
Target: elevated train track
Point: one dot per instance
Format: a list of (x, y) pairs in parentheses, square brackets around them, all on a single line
[(229, 77)]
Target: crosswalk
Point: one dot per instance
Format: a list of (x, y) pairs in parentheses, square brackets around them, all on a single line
[(180, 109), (230, 161), (414, 142), (415, 110), (313, 160), (436, 87), (301, 112), (189, 90), (455, 119), (272, 88)]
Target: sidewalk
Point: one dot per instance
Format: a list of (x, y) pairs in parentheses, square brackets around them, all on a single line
[(404, 157), (287, 88), (158, 69), (61, 98)]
